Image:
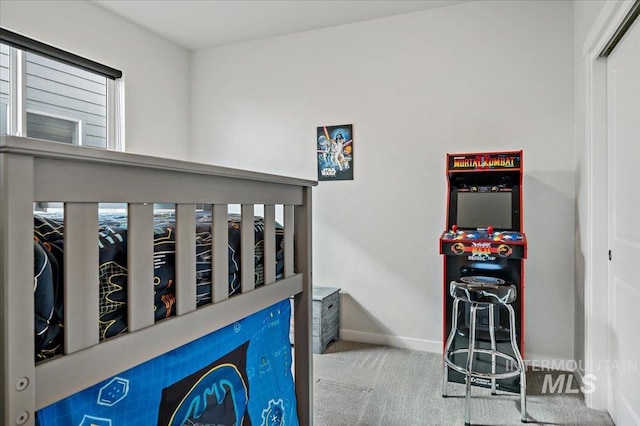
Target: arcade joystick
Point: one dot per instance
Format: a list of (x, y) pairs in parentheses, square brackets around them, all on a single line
[(490, 230), (454, 229)]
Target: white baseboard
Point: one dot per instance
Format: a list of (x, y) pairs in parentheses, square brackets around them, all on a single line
[(544, 362), (395, 341)]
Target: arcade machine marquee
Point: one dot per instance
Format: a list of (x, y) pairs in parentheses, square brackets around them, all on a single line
[(484, 237)]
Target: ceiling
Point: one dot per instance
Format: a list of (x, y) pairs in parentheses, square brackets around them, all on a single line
[(198, 24)]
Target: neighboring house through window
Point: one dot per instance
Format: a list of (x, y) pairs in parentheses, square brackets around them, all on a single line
[(47, 93), (57, 129)]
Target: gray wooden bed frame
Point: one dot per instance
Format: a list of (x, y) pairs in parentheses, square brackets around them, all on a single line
[(39, 171)]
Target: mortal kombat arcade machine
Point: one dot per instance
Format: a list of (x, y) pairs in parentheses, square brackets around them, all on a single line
[(484, 238)]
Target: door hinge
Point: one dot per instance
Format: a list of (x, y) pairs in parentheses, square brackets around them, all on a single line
[(609, 254)]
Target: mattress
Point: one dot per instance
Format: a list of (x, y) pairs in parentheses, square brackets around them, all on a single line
[(112, 267)]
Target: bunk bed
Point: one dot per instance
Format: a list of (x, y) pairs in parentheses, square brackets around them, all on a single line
[(33, 172)]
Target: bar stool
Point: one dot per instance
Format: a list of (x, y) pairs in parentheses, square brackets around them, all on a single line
[(484, 293)]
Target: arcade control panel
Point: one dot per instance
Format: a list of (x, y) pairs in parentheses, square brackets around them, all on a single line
[(483, 244)]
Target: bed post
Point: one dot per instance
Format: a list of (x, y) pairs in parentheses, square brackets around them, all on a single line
[(302, 312), (16, 290)]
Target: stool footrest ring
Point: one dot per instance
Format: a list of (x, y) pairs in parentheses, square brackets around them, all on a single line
[(473, 373)]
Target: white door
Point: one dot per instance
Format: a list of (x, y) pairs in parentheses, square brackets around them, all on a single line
[(623, 93)]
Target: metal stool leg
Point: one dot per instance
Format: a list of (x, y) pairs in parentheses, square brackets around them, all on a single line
[(492, 335), (472, 343), (523, 377), (447, 347)]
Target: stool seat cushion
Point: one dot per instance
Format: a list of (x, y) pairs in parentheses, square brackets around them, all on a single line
[(484, 290)]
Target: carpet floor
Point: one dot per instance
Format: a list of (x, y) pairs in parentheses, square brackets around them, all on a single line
[(357, 384)]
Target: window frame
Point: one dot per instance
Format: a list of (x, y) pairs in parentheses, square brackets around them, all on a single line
[(17, 111)]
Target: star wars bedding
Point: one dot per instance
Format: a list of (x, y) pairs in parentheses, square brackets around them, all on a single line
[(112, 236), (238, 375)]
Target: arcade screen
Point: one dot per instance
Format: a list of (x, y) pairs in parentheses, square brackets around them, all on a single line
[(481, 209)]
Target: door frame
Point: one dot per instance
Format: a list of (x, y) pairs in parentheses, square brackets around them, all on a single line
[(596, 355)]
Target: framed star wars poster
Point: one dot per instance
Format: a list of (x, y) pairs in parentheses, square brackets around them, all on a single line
[(335, 152)]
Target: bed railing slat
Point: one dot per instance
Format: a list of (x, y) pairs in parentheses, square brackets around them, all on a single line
[(81, 281), (247, 246), (185, 258), (17, 376), (219, 259), (288, 240), (302, 312), (86, 184), (269, 243), (140, 278)]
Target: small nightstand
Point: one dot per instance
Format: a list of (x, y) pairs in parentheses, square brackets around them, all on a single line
[(326, 317)]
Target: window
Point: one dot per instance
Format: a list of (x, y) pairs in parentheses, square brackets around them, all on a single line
[(42, 126), (47, 93)]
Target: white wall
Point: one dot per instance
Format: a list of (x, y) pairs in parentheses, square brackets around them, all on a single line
[(486, 75), (156, 72)]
